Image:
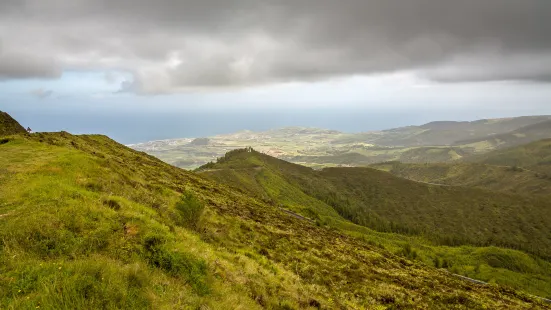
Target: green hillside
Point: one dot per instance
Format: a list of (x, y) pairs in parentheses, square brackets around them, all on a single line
[(526, 134), (9, 126), (88, 223), (510, 179), (444, 132), (384, 202), (432, 216), (534, 156)]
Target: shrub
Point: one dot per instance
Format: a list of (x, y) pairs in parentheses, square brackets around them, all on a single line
[(437, 262), (190, 210), (408, 252), (176, 264)]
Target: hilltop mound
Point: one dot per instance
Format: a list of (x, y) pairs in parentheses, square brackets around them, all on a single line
[(200, 141), (9, 126), (88, 223)]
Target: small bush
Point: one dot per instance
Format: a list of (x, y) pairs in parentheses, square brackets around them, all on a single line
[(190, 210), (176, 264), (408, 252), (437, 262), (113, 204)]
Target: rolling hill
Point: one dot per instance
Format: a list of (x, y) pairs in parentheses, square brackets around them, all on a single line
[(510, 179), (444, 132), (86, 222), (516, 137), (535, 156)]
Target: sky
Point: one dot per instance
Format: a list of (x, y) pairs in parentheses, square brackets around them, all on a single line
[(139, 70)]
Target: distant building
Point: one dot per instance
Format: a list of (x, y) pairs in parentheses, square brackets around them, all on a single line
[(29, 130)]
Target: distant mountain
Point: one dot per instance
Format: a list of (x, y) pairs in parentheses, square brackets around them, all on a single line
[(9, 126), (445, 132)]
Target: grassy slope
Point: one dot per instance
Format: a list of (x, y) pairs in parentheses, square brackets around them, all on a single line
[(387, 203), (526, 134), (533, 156), (88, 223)]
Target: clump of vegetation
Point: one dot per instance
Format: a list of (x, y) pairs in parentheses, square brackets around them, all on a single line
[(190, 210), (408, 252)]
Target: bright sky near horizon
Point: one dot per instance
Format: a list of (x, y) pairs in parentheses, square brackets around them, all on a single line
[(163, 69)]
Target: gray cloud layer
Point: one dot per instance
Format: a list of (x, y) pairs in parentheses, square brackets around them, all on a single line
[(172, 45)]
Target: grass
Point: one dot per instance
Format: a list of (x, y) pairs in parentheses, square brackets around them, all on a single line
[(88, 223)]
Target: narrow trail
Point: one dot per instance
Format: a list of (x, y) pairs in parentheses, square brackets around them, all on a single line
[(296, 215), (429, 183)]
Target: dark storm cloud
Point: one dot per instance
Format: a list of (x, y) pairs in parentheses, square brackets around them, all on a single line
[(173, 45), (21, 66)]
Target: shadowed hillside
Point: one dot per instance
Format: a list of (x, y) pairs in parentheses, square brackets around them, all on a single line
[(88, 223)]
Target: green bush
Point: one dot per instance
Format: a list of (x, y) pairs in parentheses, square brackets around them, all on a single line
[(190, 210), (177, 264)]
